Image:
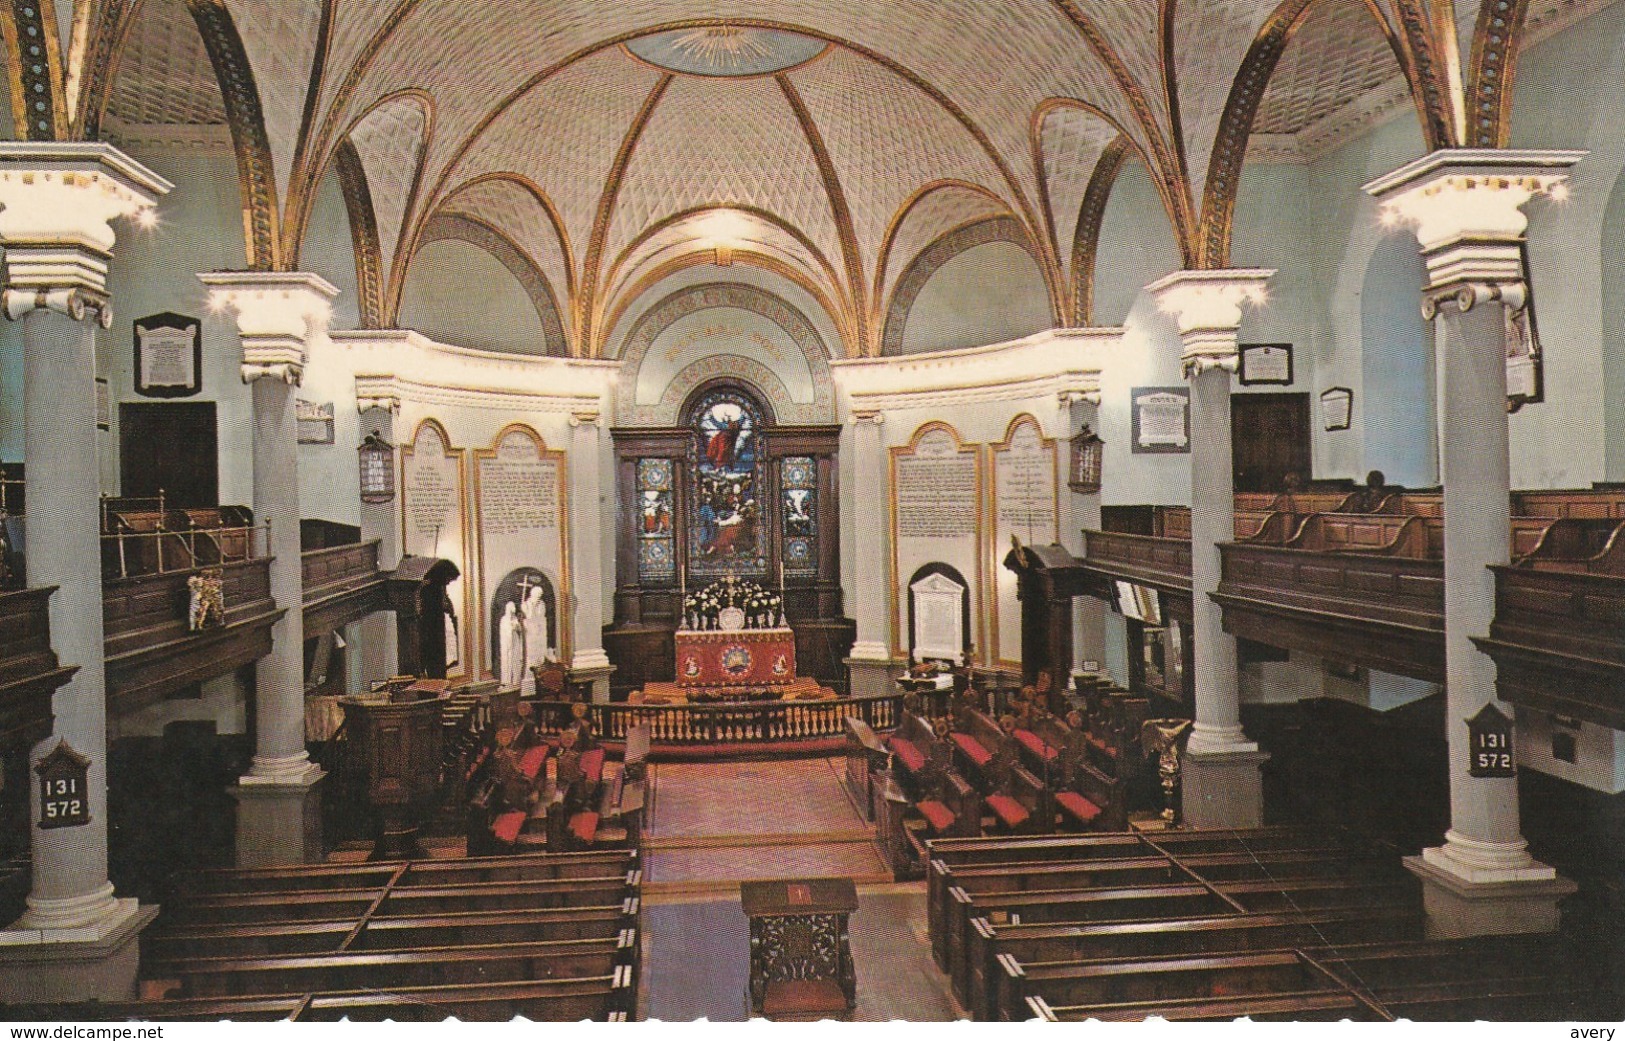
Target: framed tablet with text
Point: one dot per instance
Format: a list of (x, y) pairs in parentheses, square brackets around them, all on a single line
[(168, 356), (1336, 408), (1161, 420), (1266, 364)]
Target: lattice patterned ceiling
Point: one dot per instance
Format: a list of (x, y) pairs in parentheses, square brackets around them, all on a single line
[(826, 117)]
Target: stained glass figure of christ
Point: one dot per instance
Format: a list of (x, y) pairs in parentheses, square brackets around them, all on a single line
[(726, 520)]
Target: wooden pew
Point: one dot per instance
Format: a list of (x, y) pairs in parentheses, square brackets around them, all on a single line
[(1583, 546), (610, 998), (918, 752), (1575, 504), (1021, 804), (983, 750), (403, 967), (1030, 944), (1375, 533), (866, 756)]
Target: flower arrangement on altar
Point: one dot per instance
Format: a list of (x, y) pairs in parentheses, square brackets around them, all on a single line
[(733, 603)]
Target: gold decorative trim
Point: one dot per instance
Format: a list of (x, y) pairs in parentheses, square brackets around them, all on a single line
[(750, 258), (363, 233), (448, 201), (102, 56), (586, 335), (408, 450), (839, 210), (461, 227), (1235, 127), (993, 547), (895, 225), (766, 216), (1091, 217), (256, 173), (1430, 81), (664, 70), (396, 268), (34, 56), (979, 232), (296, 219), (898, 619), (562, 590), (1493, 70)]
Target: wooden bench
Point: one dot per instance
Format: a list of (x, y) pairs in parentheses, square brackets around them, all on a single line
[(1583, 546), (1021, 804), (866, 756), (983, 750), (1597, 503), (919, 753), (1374, 533)]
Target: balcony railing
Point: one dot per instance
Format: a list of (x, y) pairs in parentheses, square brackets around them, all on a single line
[(127, 554), (758, 723)]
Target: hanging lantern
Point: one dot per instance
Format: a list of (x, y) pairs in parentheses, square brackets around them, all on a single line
[(377, 469), (1087, 451)]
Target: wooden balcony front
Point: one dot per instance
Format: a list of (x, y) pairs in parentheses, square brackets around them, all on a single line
[(1161, 562), (1373, 609), (152, 651), (342, 584), (29, 670)]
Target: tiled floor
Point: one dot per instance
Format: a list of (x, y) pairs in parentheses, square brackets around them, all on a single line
[(713, 825)]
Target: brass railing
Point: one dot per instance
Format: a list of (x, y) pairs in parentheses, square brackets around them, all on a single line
[(159, 552), (727, 723)]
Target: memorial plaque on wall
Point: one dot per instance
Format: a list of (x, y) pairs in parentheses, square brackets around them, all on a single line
[(936, 515), (1161, 419), (168, 356), (521, 523), (1024, 504), (432, 525)]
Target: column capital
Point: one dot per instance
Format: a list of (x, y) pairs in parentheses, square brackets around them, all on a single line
[(586, 418), (868, 415), (1073, 396), (58, 201), (279, 313), (1207, 306), (1465, 206), (377, 392)]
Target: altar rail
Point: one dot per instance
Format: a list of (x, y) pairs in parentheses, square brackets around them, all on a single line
[(753, 726)]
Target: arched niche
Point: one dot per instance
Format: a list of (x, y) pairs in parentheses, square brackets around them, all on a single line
[(1397, 367), (703, 332), (978, 285), (459, 292)]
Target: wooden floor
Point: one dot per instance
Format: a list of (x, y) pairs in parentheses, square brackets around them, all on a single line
[(714, 825)]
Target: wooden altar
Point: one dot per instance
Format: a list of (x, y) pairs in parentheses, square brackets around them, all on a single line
[(800, 953)]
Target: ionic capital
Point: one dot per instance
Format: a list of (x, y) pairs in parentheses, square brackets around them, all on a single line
[(586, 418), (1208, 306), (278, 313), (868, 415)]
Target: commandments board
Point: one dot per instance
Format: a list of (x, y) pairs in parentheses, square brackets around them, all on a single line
[(520, 522), (1024, 503), (936, 514), (432, 526)]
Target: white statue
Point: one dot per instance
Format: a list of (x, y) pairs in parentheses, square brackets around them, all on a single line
[(511, 642), (537, 650)]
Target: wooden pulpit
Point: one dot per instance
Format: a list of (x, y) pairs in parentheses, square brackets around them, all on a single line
[(800, 953), (396, 745)]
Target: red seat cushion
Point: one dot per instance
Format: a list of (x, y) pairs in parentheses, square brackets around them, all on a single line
[(937, 814), (584, 825), (592, 765), (803, 998), (1008, 810), (906, 750), (1076, 805), (531, 762), (508, 826), (973, 748), (1037, 745)]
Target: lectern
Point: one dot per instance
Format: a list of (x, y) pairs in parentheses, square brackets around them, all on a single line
[(800, 953)]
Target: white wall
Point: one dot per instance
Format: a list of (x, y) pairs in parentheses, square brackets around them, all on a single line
[(456, 292), (988, 294)]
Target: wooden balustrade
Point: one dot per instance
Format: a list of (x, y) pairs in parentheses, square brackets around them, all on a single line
[(729, 723), (1150, 560), (341, 584)]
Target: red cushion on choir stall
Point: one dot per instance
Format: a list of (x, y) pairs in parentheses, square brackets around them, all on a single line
[(584, 825), (973, 748), (1008, 810), (1037, 745), (508, 826), (532, 761), (908, 752), (1077, 806), (937, 814), (592, 765)]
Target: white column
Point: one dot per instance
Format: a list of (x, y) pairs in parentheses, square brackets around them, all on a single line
[(59, 202), (1466, 207), (588, 662), (380, 650), (871, 665), (1221, 782), (278, 315)]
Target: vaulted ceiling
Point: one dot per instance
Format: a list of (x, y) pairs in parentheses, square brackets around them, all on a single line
[(832, 142)]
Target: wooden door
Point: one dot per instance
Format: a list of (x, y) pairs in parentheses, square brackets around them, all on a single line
[(1270, 439), (171, 447)]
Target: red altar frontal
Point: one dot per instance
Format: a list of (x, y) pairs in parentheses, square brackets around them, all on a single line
[(747, 658)]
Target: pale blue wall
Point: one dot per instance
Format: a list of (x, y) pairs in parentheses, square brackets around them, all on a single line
[(1401, 437), (459, 294), (990, 293), (1613, 330)]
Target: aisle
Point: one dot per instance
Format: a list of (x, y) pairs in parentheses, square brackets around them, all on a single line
[(713, 825)]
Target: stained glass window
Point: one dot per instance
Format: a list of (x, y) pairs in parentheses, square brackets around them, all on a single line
[(800, 516), (657, 558), (725, 512)]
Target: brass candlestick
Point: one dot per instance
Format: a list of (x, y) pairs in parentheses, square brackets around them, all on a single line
[(1166, 739)]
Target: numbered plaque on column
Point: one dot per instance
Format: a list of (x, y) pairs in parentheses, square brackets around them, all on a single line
[(64, 788), (1490, 744)]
